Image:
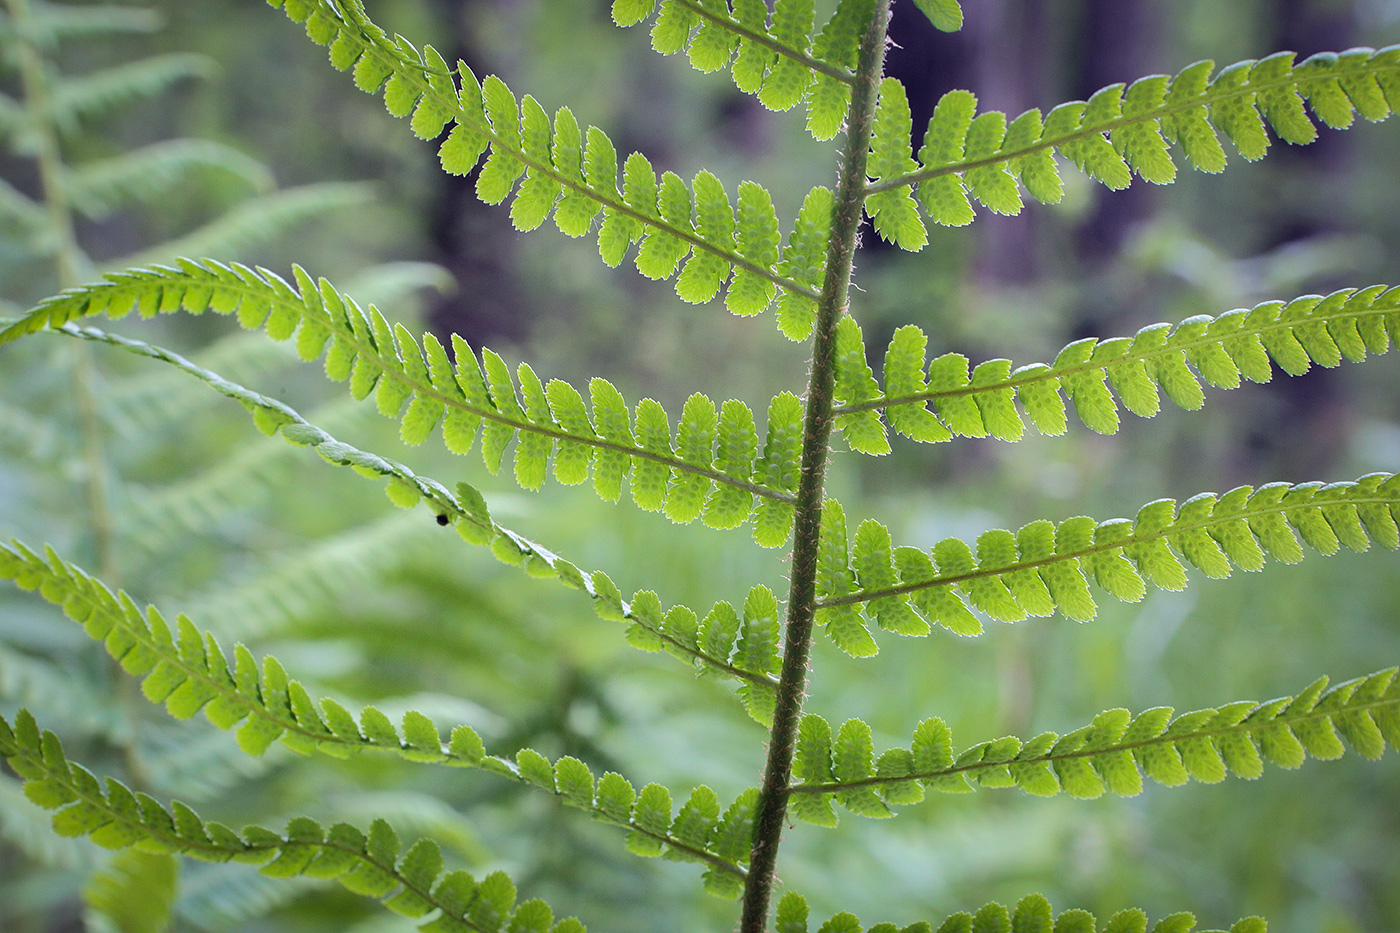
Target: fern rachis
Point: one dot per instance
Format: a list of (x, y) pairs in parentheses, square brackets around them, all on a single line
[(715, 464)]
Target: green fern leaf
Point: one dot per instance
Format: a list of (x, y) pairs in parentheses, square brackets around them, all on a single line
[(572, 172), (1121, 131), (946, 15), (1097, 375), (1114, 752), (367, 864), (388, 361), (1043, 568)]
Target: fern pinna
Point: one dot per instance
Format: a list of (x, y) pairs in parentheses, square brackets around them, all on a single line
[(713, 462)]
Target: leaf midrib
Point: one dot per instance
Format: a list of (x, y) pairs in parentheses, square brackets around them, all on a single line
[(1050, 372), (1206, 99), (1244, 726), (1173, 529)]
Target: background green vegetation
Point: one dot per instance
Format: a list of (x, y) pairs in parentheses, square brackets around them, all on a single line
[(406, 617)]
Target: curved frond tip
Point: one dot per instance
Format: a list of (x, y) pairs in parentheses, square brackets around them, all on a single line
[(711, 468), (934, 400), (1044, 568), (1110, 755), (1032, 913), (1121, 131), (412, 883)]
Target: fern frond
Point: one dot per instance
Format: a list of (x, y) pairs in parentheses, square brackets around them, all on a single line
[(23, 435), (1099, 375), (1043, 568), (773, 54), (135, 892), (712, 459), (53, 23), (187, 671), (1125, 130), (26, 827), (96, 189), (1111, 754), (569, 171), (33, 682), (651, 625), (331, 572), (226, 898), (159, 517), (20, 214), (97, 93), (206, 766), (1032, 913), (255, 221), (412, 883), (391, 282)]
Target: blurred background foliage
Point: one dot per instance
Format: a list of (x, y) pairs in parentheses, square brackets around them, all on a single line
[(259, 542)]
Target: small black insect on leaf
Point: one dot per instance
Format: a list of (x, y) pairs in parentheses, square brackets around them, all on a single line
[(442, 519)]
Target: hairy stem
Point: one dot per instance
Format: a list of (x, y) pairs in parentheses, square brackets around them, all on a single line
[(792, 682)]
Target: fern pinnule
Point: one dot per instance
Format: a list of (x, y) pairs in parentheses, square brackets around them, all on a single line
[(1099, 375), (1032, 912), (1043, 568), (1110, 755), (1120, 131)]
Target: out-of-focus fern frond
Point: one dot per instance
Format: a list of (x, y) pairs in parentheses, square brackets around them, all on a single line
[(155, 399), (133, 893), (19, 212), (100, 92), (201, 767), (417, 814), (225, 898), (61, 696), (311, 580), (13, 119), (143, 175), (390, 282), (255, 221), (159, 517), (23, 435), (52, 23)]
